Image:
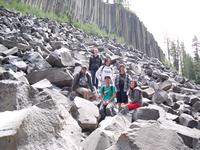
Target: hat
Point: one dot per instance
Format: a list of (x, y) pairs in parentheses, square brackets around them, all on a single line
[(107, 77), (84, 66)]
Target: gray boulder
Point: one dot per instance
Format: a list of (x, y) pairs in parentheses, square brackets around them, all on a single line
[(86, 113), (15, 95), (54, 75), (107, 134), (160, 96), (42, 84), (151, 112), (166, 85), (60, 58), (187, 120), (144, 135), (148, 92)]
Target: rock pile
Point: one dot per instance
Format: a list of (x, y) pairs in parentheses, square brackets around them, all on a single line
[(38, 60)]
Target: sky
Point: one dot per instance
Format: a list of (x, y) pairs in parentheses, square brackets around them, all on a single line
[(176, 19)]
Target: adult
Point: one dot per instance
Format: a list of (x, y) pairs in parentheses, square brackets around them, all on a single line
[(135, 97), (122, 82), (82, 84), (107, 95), (94, 63), (103, 71)]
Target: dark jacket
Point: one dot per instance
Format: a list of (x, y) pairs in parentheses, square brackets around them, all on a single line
[(135, 95), (77, 77), (126, 82), (95, 62)]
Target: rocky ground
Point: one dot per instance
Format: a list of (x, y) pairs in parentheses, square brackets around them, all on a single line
[(38, 60)]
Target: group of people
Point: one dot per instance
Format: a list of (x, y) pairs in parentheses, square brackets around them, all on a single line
[(120, 87)]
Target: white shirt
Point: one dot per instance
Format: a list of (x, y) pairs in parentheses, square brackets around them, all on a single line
[(104, 71)]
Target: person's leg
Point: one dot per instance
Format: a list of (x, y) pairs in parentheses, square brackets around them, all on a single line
[(93, 76), (84, 92)]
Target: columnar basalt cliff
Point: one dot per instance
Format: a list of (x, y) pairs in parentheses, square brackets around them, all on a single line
[(109, 17)]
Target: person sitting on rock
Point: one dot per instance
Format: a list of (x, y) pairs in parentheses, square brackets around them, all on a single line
[(122, 82), (82, 84), (94, 63), (135, 97), (107, 95)]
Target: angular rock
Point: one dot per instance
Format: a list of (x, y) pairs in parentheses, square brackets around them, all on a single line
[(187, 120), (86, 113), (137, 138), (37, 62), (180, 79), (196, 106), (15, 95), (60, 58), (107, 134), (42, 84), (190, 136), (160, 96), (148, 93), (166, 85), (54, 75), (148, 113), (10, 51)]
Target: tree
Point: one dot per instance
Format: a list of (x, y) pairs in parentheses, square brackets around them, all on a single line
[(196, 46)]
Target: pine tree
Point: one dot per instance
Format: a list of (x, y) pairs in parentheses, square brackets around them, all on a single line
[(196, 46)]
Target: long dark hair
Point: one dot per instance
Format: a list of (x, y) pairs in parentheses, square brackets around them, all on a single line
[(135, 83), (106, 59)]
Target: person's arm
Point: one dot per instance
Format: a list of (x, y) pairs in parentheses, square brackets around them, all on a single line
[(98, 73)]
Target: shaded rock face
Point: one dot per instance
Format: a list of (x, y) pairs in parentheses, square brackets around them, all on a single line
[(109, 17), (38, 110)]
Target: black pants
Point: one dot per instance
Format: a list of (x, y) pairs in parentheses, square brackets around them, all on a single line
[(94, 79), (122, 97)]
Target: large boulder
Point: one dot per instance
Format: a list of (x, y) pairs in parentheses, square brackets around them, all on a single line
[(190, 136), (166, 85), (107, 134), (36, 61), (144, 135), (160, 96), (148, 92), (86, 113), (15, 95), (150, 112), (187, 120), (55, 75), (60, 58)]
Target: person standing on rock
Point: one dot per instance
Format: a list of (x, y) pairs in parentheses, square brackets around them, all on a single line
[(107, 95), (94, 63), (105, 70), (122, 83), (82, 84)]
